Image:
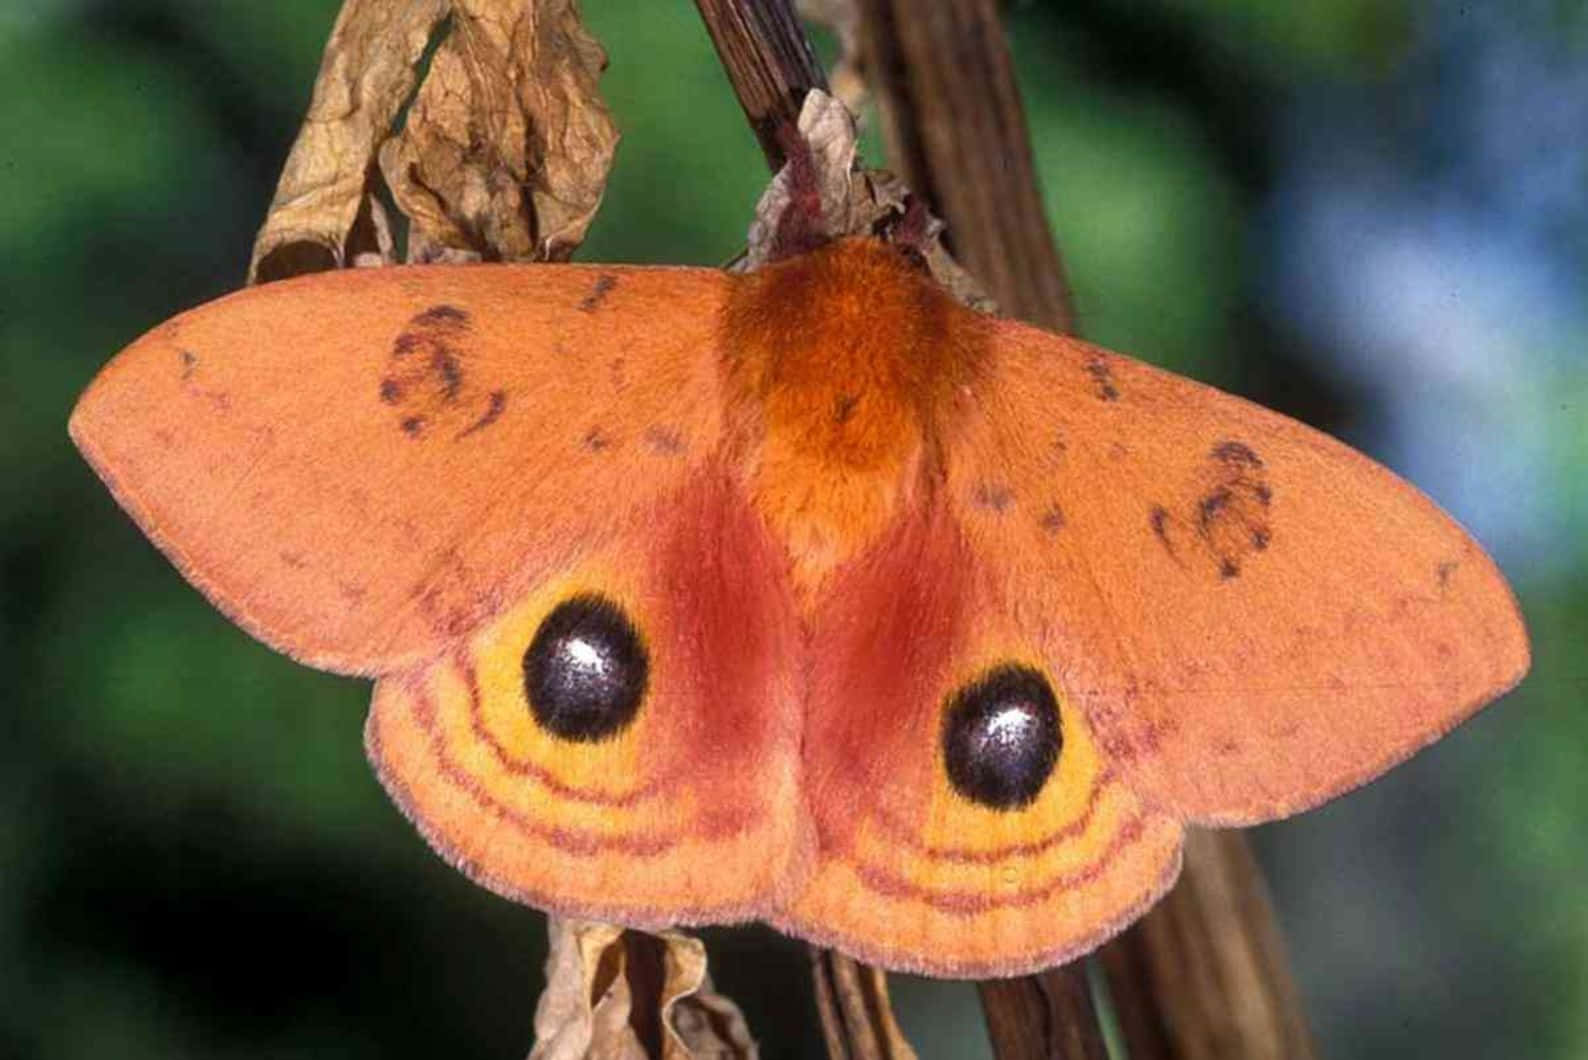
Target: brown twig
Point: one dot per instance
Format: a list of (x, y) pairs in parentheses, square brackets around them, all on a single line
[(857, 1017), (957, 134), (768, 60), (771, 66), (1048, 1015), (1204, 974), (1053, 1014)]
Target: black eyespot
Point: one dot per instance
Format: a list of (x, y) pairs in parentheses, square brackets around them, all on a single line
[(1001, 737), (585, 671)]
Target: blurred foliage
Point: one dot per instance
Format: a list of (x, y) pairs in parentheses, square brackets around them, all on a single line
[(194, 858)]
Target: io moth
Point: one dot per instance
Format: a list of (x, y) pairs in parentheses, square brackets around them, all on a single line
[(806, 596)]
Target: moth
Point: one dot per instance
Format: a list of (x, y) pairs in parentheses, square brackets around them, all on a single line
[(806, 596)]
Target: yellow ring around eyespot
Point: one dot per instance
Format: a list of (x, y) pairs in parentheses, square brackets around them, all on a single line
[(951, 822), (522, 763)]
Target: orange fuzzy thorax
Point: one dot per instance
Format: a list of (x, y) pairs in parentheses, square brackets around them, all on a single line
[(842, 363)]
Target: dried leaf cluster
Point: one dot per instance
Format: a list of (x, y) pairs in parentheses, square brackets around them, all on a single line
[(853, 201), (614, 994), (481, 120)]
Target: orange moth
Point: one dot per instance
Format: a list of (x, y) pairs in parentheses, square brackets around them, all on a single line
[(807, 596)]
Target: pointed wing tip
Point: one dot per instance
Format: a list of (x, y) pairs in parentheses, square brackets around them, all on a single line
[(86, 426), (93, 425), (1498, 612), (80, 424), (1520, 654)]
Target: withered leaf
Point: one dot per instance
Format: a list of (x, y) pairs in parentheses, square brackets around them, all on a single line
[(853, 201), (603, 983), (368, 70), (826, 125), (507, 145), (502, 153)]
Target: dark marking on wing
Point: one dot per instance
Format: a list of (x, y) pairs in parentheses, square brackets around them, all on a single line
[(664, 440), (188, 361), (1052, 519), (492, 413), (993, 496), (1443, 572), (428, 382), (448, 315), (1237, 455), (1211, 505), (1158, 517), (1232, 513), (1102, 377), (1056, 453), (598, 292), (293, 560), (844, 407), (451, 373), (1002, 737), (596, 440), (1125, 731), (1226, 518)]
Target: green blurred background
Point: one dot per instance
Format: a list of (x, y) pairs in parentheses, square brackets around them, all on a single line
[(1367, 213)]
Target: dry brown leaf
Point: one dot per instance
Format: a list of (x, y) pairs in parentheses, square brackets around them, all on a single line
[(882, 197), (603, 982), (572, 1013), (827, 127), (502, 155), (853, 200), (509, 112), (365, 75)]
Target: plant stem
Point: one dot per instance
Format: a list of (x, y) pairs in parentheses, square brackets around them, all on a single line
[(1204, 975), (956, 133), (769, 61)]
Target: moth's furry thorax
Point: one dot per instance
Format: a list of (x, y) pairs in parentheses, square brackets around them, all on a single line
[(842, 365)]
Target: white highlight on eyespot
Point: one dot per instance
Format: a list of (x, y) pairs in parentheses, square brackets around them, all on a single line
[(1011, 726), (584, 655)]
